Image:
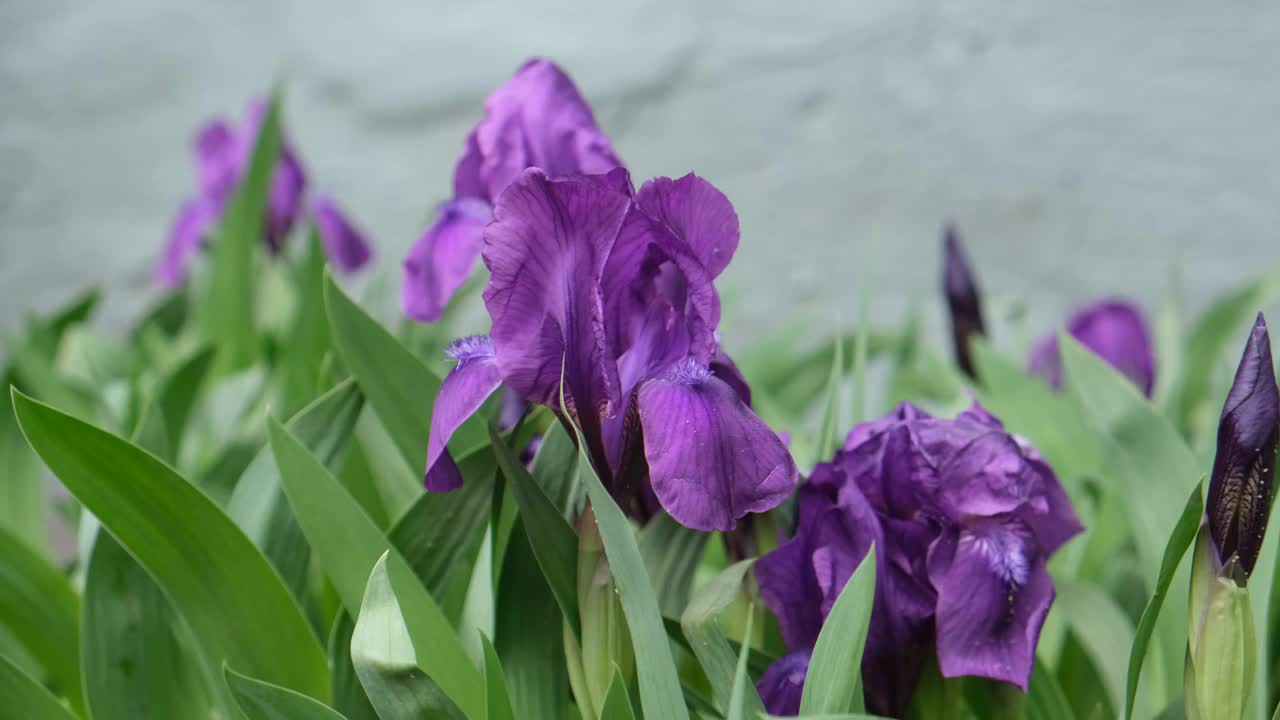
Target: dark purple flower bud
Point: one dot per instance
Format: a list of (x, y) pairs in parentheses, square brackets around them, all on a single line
[(782, 685), (1240, 488), (964, 517), (612, 290), (536, 119), (964, 299), (1116, 331), (345, 245)]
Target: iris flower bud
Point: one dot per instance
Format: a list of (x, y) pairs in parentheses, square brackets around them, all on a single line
[(1244, 467), (1220, 659), (963, 298)]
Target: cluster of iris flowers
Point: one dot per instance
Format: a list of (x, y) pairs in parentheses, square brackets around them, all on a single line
[(604, 314)]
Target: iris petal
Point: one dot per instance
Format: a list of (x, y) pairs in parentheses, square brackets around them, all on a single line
[(463, 391), (442, 259), (344, 244), (711, 460)]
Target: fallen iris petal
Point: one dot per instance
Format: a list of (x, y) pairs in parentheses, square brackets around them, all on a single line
[(463, 391), (711, 460)]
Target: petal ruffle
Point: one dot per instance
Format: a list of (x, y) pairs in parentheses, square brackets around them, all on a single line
[(344, 244), (442, 259), (711, 460), (463, 391), (698, 213), (993, 595)]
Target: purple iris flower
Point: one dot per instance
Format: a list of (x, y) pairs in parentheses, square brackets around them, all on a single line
[(614, 289), (537, 119), (964, 517), (222, 159), (1116, 331)]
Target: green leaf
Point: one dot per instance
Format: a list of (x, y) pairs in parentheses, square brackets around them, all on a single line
[(834, 681), (829, 433), (497, 700), (660, 695), (176, 396), (555, 468), (554, 543), (530, 636), (1103, 630), (263, 701), (258, 504), (218, 581), (1179, 540), (308, 336), (41, 610), (617, 704), (228, 320), (347, 544), (405, 652), (671, 553), (701, 626), (22, 505), (441, 532), (139, 658), (743, 692), (399, 387), (1045, 697), (348, 694), (26, 699)]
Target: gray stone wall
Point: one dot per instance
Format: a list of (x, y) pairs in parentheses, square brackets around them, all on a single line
[(1084, 147)]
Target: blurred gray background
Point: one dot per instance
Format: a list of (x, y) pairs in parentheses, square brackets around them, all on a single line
[(1084, 148)]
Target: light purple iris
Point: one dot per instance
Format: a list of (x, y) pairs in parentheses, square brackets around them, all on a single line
[(964, 517), (222, 159), (614, 289), (537, 119), (1116, 331)]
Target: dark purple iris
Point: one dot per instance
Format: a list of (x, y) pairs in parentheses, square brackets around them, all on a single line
[(537, 119), (964, 517), (222, 159), (1116, 331), (613, 288), (1239, 500)]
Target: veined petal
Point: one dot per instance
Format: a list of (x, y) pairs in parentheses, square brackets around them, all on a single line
[(539, 119), (993, 595), (782, 685), (442, 259), (711, 460), (723, 367), (698, 214), (546, 249), (193, 224), (463, 391), (344, 244)]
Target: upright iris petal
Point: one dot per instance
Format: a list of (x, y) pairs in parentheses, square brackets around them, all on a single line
[(964, 517), (782, 685), (1116, 331), (1239, 501), (538, 119), (964, 299)]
